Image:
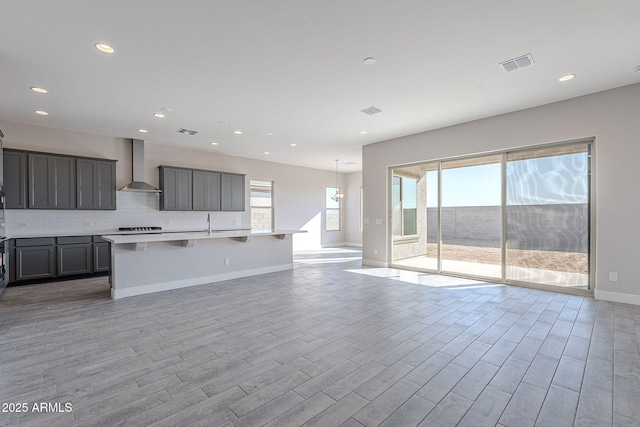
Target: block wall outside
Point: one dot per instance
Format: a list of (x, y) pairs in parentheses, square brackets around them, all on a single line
[(558, 227)]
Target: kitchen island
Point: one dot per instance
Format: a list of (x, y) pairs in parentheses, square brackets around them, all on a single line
[(146, 263)]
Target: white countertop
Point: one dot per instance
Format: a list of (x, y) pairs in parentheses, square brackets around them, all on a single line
[(199, 235), (108, 232)]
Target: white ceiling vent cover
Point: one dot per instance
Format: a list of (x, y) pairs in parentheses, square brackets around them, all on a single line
[(187, 131), (371, 110), (517, 63)]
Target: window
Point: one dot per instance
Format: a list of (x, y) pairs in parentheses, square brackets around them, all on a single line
[(404, 198), (261, 201), (332, 211)]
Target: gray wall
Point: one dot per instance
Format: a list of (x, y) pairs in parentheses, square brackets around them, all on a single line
[(610, 118)]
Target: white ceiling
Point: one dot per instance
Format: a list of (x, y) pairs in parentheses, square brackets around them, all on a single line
[(295, 67)]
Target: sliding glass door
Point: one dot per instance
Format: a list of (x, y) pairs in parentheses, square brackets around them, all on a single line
[(518, 216), (471, 218), (547, 208)]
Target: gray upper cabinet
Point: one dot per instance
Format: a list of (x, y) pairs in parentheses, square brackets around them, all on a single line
[(232, 192), (34, 180), (52, 181), (175, 184), (15, 179), (201, 190), (206, 191), (96, 184)]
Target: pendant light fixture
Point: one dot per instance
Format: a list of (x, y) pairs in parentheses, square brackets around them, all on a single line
[(337, 195)]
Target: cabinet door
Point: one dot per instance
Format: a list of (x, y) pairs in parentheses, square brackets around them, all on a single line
[(176, 189), (206, 191), (40, 182), (86, 185), (96, 184), (15, 179), (64, 182), (35, 262), (106, 185), (52, 182), (232, 192), (101, 257), (74, 259)]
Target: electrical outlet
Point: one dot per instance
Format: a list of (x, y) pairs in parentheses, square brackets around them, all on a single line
[(375, 252), (226, 261), (613, 276), (22, 224)]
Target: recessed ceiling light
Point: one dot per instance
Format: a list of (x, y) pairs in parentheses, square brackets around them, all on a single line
[(158, 115), (363, 131), (41, 112), (348, 163), (269, 133), (266, 152), (237, 132), (104, 48), (294, 144), (369, 61), (214, 143), (143, 130), (566, 78), (39, 89)]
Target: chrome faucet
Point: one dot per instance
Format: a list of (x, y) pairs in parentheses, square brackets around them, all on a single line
[(209, 223)]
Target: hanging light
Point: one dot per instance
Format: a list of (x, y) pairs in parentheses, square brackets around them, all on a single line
[(337, 196)]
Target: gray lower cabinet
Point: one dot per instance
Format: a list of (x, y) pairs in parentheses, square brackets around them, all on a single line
[(74, 255), (52, 181), (96, 184), (15, 179), (49, 257), (176, 189), (206, 191), (101, 255), (232, 192), (34, 258)]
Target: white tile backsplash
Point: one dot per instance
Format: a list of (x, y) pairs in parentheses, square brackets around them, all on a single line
[(133, 209)]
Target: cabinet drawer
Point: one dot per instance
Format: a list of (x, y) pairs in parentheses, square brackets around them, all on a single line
[(71, 240), (35, 241)]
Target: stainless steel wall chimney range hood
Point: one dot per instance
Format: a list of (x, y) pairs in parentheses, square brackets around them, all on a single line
[(138, 183)]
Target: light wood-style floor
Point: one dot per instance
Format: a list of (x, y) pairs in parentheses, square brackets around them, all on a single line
[(330, 343)]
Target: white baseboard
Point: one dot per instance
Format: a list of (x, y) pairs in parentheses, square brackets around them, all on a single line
[(177, 284), (617, 297), (374, 263), (353, 245)]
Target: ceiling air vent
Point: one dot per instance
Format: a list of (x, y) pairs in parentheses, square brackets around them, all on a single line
[(517, 63), (187, 131), (371, 110)]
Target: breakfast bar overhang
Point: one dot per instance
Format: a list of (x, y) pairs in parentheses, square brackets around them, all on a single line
[(146, 263)]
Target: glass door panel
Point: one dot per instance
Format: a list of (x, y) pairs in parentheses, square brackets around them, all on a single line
[(547, 210), (471, 216)]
